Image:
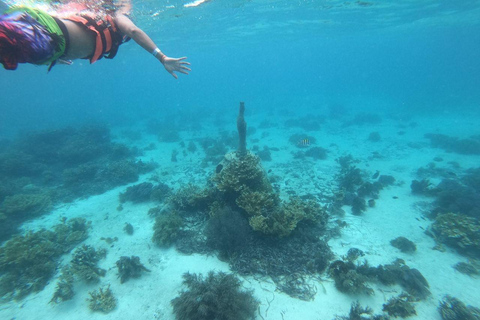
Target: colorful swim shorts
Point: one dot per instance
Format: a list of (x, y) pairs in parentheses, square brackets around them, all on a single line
[(30, 35)]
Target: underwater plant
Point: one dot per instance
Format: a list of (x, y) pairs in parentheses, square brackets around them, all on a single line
[(102, 300), (217, 296), (130, 268)]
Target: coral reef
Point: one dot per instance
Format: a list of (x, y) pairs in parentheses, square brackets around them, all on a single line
[(137, 193), (374, 136), (467, 146), (217, 296), (191, 198), (317, 153), (64, 289), (400, 306), (128, 228), (248, 225), (469, 269), (130, 268), (41, 169), (297, 139), (309, 122), (240, 173), (398, 273), (353, 254), (166, 229), (347, 279), (422, 187), (102, 300), (357, 312), (23, 206), (242, 131), (458, 231), (84, 263), (228, 232), (404, 244), (28, 262), (453, 309)]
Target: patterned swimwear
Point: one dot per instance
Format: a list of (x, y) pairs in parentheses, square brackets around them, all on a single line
[(30, 35)]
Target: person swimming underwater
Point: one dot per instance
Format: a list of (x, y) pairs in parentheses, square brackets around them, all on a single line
[(76, 30)]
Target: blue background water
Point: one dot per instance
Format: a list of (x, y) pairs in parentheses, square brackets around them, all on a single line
[(403, 56)]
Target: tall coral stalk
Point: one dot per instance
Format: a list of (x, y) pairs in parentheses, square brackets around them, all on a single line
[(242, 131)]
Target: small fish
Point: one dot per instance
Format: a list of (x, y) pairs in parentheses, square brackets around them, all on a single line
[(395, 197), (304, 143), (219, 168), (376, 174)]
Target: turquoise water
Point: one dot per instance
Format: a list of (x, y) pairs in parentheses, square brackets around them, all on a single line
[(394, 84), (404, 55)]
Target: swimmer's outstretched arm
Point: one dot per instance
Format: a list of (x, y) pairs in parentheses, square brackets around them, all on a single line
[(128, 28)]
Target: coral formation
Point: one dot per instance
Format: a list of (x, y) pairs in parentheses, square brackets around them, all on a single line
[(453, 309), (248, 225), (353, 254), (398, 273), (240, 173), (217, 296), (128, 228), (84, 263), (228, 232), (347, 279), (64, 289), (166, 229), (400, 306), (102, 300), (137, 193), (357, 312), (404, 244), (28, 262), (130, 268), (453, 144), (44, 168), (374, 136), (317, 153), (242, 131), (467, 268), (459, 231), (24, 206)]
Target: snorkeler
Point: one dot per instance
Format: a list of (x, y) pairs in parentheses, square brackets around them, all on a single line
[(77, 30)]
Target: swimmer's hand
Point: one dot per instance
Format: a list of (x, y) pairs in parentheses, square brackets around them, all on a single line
[(173, 65)]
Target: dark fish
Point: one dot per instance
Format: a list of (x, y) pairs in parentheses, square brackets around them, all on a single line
[(376, 174), (395, 197), (219, 168)]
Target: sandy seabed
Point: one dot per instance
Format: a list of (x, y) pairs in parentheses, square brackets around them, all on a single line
[(397, 213)]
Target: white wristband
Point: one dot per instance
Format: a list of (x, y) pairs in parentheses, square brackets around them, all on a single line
[(155, 52)]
